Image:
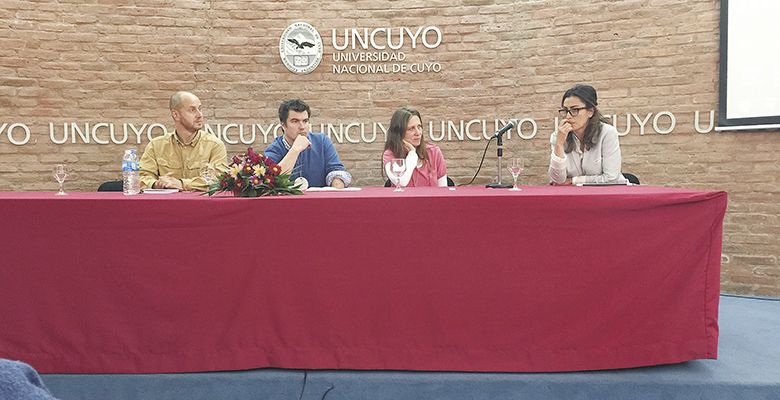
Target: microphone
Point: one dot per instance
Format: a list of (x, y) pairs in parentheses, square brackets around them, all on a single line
[(511, 124), (500, 153)]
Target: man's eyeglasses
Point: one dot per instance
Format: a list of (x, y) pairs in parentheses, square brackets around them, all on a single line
[(574, 111)]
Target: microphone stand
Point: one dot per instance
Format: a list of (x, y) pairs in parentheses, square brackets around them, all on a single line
[(500, 154)]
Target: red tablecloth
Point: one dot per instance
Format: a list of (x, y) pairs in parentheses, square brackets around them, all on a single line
[(472, 279)]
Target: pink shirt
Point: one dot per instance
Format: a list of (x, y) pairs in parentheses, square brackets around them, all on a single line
[(430, 172)]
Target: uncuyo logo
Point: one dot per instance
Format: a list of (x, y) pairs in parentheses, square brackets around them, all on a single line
[(300, 48)]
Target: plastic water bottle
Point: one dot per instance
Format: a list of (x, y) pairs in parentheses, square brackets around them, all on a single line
[(131, 179)]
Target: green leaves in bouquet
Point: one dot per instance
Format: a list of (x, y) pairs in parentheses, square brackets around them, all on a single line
[(253, 175)]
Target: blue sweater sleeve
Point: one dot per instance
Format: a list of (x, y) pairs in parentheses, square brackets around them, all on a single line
[(275, 151), (332, 161)]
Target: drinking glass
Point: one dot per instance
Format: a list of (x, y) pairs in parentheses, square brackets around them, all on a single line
[(398, 167), (60, 173), (209, 174), (516, 168)]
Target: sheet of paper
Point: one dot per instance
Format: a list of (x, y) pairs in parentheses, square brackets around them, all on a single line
[(332, 189), (160, 191)]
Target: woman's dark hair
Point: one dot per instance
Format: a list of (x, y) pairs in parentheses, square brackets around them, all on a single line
[(588, 95), (395, 133)]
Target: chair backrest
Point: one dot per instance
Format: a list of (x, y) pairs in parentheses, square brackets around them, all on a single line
[(450, 182), (110, 186), (631, 178)]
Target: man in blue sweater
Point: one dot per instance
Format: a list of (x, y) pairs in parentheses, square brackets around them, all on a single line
[(305, 154)]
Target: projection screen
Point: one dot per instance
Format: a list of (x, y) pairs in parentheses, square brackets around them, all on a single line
[(749, 85)]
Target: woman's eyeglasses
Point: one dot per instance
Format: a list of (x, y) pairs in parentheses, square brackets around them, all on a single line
[(574, 111)]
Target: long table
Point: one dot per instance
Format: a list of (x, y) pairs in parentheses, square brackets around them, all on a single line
[(465, 279)]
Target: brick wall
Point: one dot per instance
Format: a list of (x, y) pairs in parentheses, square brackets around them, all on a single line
[(94, 62)]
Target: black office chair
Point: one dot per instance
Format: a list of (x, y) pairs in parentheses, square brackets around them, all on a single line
[(110, 186), (450, 182), (631, 178)]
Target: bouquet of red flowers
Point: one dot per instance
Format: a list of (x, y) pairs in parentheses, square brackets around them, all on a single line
[(252, 175)]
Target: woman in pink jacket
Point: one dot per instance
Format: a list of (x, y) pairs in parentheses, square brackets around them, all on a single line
[(425, 164)]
